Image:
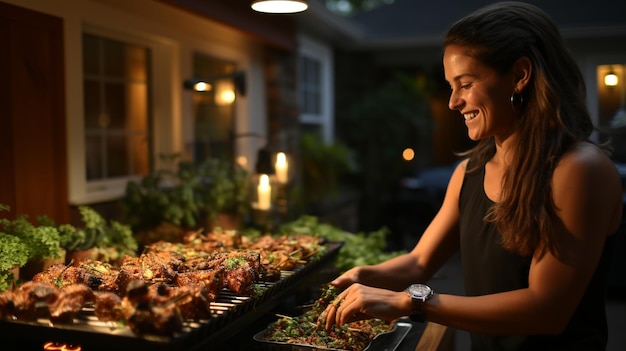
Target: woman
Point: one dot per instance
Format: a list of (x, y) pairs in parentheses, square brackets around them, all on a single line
[(533, 208)]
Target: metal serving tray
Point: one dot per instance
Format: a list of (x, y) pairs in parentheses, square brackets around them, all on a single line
[(388, 341)]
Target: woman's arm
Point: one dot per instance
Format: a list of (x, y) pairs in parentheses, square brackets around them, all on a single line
[(438, 242)]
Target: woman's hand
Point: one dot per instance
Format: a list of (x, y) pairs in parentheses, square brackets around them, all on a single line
[(359, 302), (348, 278)]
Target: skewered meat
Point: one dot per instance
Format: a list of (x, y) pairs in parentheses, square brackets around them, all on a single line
[(70, 302), (96, 275), (193, 300), (108, 306), (212, 280), (145, 314), (155, 319), (6, 304), (31, 300), (34, 300), (149, 267), (168, 283)]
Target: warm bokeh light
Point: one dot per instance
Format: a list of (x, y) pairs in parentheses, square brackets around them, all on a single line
[(202, 86), (611, 80), (242, 161), (279, 6), (408, 154), (281, 167)]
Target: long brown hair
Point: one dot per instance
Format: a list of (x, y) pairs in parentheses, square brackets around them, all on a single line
[(551, 120)]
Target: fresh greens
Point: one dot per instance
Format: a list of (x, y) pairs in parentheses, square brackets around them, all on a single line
[(357, 250)]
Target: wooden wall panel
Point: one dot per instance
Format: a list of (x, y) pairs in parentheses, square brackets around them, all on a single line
[(33, 160)]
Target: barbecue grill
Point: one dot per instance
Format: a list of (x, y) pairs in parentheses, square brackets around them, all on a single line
[(230, 314)]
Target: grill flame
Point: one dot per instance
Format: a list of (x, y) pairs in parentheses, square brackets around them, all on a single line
[(54, 346)]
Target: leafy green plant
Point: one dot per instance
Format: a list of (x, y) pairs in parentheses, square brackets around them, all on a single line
[(358, 249), (112, 240), (323, 167), (22, 241), (163, 196), (14, 253), (224, 187), (43, 241), (186, 195)]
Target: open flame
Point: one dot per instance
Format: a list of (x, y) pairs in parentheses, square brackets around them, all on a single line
[(55, 346)]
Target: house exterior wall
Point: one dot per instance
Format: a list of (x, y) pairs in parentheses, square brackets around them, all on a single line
[(173, 35)]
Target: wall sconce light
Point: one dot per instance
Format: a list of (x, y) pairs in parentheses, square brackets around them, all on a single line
[(264, 163), (207, 84), (611, 79), (279, 6)]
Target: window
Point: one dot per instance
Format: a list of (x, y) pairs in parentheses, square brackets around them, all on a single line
[(213, 109), (117, 118), (310, 86), (315, 88)]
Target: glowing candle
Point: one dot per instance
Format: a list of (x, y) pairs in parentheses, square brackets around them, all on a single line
[(281, 168), (264, 192)]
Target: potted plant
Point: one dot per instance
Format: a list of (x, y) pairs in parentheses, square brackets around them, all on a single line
[(162, 204), (43, 243), (97, 238), (224, 193), (14, 255)]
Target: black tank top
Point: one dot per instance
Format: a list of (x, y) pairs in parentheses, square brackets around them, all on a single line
[(488, 268)]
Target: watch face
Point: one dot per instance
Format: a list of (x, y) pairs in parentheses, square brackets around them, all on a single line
[(420, 290)]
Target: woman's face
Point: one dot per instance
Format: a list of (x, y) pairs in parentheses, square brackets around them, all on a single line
[(480, 94)]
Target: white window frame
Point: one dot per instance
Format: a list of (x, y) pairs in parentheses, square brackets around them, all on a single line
[(324, 55), (82, 191)]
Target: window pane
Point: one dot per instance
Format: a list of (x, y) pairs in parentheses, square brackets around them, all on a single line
[(115, 105), (114, 59), (93, 159), (139, 146), (91, 53), (93, 105), (310, 86), (117, 113), (214, 118), (117, 156)]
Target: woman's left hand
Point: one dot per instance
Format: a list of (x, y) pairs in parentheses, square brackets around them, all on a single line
[(360, 302)]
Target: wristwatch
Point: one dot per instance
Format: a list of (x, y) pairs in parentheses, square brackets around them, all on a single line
[(419, 293)]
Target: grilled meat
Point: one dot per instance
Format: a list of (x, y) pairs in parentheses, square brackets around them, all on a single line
[(31, 300), (211, 280), (70, 302), (146, 312), (108, 306)]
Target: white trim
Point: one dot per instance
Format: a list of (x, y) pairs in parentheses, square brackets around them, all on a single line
[(324, 54)]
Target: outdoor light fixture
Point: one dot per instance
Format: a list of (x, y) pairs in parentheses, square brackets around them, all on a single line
[(610, 79), (209, 83), (280, 6)]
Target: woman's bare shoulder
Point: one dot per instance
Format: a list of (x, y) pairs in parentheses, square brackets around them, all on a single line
[(586, 179)]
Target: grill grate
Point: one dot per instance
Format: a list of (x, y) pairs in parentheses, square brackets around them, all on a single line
[(230, 312)]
